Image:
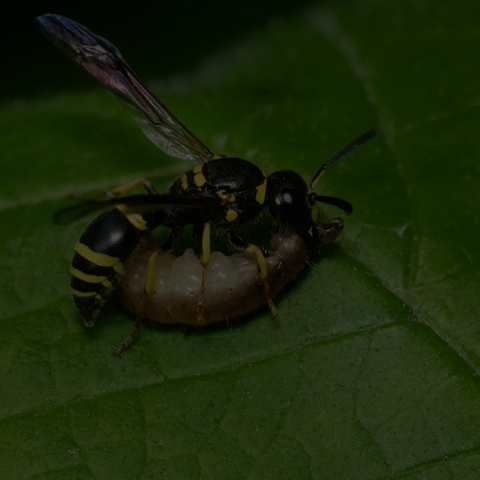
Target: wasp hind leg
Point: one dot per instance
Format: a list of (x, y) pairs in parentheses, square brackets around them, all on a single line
[(120, 190), (147, 295), (239, 244)]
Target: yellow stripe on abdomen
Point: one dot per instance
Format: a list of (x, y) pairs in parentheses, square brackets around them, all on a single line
[(100, 259), (77, 293), (87, 277)]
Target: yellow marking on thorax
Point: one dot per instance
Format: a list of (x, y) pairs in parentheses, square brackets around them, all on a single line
[(198, 176), (261, 191), (184, 181), (87, 277), (231, 215), (100, 259)]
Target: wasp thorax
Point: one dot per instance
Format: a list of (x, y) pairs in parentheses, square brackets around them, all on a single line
[(288, 201)]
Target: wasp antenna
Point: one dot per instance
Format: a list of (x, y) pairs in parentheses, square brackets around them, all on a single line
[(349, 146), (336, 202)]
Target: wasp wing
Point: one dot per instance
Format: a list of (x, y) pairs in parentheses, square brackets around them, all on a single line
[(102, 60), (136, 204)]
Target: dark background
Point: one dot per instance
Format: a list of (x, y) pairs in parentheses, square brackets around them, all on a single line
[(158, 38)]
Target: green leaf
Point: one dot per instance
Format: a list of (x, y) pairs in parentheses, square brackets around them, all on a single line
[(370, 370)]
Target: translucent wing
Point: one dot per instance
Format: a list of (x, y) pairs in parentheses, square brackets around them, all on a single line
[(102, 60), (136, 204)]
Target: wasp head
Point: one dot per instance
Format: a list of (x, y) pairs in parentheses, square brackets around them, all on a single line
[(289, 202)]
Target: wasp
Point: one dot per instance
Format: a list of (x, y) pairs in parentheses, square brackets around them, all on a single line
[(219, 193)]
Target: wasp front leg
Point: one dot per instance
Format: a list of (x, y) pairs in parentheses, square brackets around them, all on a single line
[(205, 256), (239, 244), (148, 289)]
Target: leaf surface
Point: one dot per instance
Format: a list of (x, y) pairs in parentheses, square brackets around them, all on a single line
[(371, 369)]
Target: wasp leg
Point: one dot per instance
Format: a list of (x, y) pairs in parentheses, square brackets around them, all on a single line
[(119, 191), (147, 294), (207, 227), (123, 189), (239, 244)]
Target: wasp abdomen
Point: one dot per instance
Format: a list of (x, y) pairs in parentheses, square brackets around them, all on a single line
[(100, 258)]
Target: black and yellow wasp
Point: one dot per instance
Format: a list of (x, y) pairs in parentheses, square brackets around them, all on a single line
[(220, 193)]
